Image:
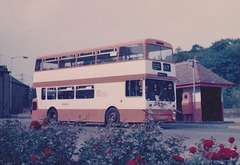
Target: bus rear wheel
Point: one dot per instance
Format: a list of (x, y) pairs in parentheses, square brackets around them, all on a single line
[(52, 114), (112, 116)]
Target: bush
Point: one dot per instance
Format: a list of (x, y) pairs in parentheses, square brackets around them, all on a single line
[(55, 143), (207, 152), (142, 144), (40, 142)]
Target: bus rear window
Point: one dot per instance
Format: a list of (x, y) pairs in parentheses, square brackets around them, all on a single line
[(132, 52), (43, 94), (38, 65), (156, 52)]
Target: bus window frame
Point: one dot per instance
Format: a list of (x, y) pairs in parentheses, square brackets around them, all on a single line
[(161, 51), (107, 55), (61, 91), (129, 91), (48, 61), (90, 54), (40, 66), (53, 92), (85, 89), (63, 60), (129, 56)]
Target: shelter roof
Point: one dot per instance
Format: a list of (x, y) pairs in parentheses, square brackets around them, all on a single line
[(203, 77)]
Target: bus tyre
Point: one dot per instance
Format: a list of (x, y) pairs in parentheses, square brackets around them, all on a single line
[(112, 116), (52, 114)]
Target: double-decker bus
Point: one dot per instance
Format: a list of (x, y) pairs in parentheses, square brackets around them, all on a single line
[(125, 82)]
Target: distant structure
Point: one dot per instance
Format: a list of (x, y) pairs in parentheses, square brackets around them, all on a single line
[(20, 94), (4, 92), (208, 94)]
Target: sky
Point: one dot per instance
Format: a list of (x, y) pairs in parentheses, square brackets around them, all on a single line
[(39, 27)]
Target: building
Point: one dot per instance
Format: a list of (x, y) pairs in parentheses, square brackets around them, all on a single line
[(4, 92), (19, 94), (208, 93)]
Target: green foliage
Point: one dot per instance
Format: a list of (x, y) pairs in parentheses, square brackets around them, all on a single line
[(213, 154), (55, 143), (123, 145), (223, 59), (40, 143)]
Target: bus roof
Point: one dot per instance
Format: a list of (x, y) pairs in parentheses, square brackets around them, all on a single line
[(147, 40)]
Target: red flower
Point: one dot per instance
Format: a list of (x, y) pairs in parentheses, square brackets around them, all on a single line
[(45, 122), (36, 125), (192, 149), (178, 158), (235, 147), (96, 148), (17, 120), (108, 151), (34, 159), (132, 162), (208, 155), (234, 154), (231, 139), (119, 143), (138, 158), (221, 146), (47, 152), (227, 153), (208, 143)]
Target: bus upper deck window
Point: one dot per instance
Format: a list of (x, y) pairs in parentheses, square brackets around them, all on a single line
[(87, 58), (156, 52), (107, 55), (38, 65), (67, 61), (132, 52), (50, 63)]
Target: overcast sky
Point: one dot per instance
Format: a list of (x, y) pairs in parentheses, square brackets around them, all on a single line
[(38, 27)]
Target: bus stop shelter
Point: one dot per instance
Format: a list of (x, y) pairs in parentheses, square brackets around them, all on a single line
[(208, 93)]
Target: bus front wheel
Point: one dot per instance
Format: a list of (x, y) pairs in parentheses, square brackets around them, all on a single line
[(112, 116), (52, 114)]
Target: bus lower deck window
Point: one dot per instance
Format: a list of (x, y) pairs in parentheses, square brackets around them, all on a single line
[(51, 93), (85, 92), (65, 92), (134, 88), (43, 94)]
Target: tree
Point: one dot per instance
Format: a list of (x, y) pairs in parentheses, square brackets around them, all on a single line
[(222, 57)]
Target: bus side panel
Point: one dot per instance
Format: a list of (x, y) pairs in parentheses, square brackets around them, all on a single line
[(83, 115), (39, 114), (132, 115)]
